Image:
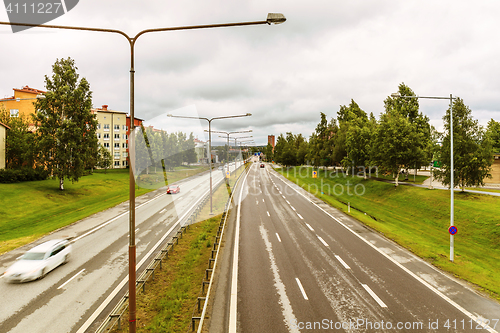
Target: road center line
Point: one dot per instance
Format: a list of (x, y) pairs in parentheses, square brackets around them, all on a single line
[(375, 297), (268, 214), (293, 208), (301, 289), (322, 241), (74, 276), (342, 262), (300, 216), (278, 237), (310, 228)]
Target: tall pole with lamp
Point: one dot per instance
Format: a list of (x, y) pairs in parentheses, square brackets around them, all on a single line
[(272, 18), (452, 224), (210, 141)]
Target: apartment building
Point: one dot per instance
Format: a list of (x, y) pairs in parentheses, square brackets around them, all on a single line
[(21, 104), (3, 135), (112, 133)]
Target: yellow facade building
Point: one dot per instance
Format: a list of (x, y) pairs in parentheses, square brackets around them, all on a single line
[(3, 135), (21, 104), (112, 134)]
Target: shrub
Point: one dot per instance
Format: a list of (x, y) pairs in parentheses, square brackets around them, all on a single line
[(22, 175)]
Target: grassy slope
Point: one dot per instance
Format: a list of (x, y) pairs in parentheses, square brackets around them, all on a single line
[(29, 210), (418, 219)]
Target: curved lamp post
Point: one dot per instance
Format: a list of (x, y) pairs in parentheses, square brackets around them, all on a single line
[(272, 18), (451, 98), (210, 140)]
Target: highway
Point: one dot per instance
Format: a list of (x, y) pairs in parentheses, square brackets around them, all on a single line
[(294, 264), (69, 298)]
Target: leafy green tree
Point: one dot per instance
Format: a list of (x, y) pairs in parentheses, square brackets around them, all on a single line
[(190, 153), (268, 152), (409, 109), (104, 158), (321, 143), (21, 146), (66, 127), (493, 132), (279, 148), (472, 149), (393, 142), (301, 146), (353, 136)]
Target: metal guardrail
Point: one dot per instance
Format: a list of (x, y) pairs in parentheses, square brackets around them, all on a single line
[(114, 318), (211, 269)]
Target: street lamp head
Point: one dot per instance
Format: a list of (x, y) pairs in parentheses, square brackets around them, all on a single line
[(248, 114), (275, 18), (169, 115), (40, 96), (395, 95)]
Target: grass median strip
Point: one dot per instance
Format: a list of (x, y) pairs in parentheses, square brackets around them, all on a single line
[(167, 304), (418, 219)]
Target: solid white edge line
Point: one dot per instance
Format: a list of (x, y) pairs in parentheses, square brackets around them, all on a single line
[(310, 228), (322, 241), (342, 262), (74, 276), (301, 289), (375, 297), (233, 302), (279, 239), (110, 297), (419, 279)]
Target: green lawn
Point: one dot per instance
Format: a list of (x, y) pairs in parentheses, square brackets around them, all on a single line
[(418, 219), (30, 210)]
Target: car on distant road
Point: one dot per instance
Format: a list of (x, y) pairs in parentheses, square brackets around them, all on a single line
[(262, 165), (173, 189), (39, 261)]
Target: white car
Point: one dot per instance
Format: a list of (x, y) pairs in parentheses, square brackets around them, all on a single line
[(38, 261)]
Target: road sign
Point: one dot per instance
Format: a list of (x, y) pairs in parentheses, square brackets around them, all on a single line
[(452, 230), (228, 174), (315, 174)]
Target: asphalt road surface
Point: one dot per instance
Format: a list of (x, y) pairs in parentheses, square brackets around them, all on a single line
[(293, 264), (70, 298)]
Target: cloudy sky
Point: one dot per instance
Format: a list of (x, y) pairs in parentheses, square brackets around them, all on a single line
[(327, 53)]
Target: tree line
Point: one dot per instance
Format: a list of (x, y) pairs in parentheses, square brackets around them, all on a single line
[(60, 139), (401, 139)]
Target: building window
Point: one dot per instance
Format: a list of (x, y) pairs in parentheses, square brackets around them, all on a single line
[(117, 136), (98, 126), (125, 137), (106, 145), (117, 146), (124, 163), (106, 136), (125, 127), (117, 156), (98, 135), (14, 113), (125, 145), (117, 163), (125, 154), (117, 127), (106, 127)]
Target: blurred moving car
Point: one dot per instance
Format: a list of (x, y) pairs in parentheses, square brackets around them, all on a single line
[(39, 261), (173, 189), (262, 165)]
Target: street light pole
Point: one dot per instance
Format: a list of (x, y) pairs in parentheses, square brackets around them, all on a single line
[(452, 186), (210, 141), (272, 18), (229, 133)]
